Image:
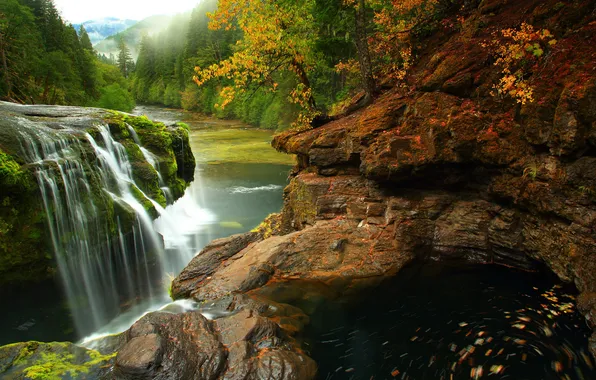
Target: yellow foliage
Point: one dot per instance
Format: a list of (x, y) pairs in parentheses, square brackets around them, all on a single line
[(515, 51), (276, 36)]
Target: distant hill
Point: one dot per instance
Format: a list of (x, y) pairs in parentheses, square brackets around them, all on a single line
[(132, 35), (100, 29)]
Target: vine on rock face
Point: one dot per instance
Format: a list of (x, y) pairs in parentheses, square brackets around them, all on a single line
[(518, 52)]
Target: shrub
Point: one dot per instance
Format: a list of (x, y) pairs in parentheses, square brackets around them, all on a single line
[(116, 98)]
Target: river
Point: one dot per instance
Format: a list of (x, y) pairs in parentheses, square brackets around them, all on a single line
[(239, 180)]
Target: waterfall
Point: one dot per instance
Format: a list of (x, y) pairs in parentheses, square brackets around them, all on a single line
[(109, 253), (152, 160)]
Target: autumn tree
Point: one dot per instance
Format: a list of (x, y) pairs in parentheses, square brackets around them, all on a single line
[(277, 36)]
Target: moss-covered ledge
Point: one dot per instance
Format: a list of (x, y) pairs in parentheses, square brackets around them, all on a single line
[(52, 361), (26, 253)]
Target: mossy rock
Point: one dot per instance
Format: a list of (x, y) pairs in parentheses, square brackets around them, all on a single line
[(170, 145), (52, 361), (146, 203), (24, 250)]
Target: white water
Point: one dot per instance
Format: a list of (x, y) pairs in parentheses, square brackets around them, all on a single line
[(111, 274), (246, 190)]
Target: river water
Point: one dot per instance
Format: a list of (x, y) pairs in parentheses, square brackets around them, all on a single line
[(443, 322), (433, 321), (239, 180)]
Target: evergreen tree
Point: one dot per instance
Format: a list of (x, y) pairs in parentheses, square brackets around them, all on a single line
[(19, 50), (84, 38), (125, 62)]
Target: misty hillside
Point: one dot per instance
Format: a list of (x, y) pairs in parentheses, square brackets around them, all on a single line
[(100, 29), (132, 36)]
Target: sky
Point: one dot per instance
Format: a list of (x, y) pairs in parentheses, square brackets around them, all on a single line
[(77, 11)]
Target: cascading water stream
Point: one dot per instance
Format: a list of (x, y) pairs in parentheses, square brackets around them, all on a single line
[(108, 251), (153, 161)]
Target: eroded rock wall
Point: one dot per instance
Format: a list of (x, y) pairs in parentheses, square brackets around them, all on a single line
[(441, 168)]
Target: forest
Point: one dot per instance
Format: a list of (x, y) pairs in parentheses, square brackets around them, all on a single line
[(270, 64), (45, 60)]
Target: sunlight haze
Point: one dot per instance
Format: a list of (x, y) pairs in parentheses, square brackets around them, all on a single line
[(77, 11)]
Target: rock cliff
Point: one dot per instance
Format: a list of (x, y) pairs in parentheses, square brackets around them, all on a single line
[(437, 168)]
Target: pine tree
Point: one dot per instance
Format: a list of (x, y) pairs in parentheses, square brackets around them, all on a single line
[(125, 62), (84, 38), (19, 50)]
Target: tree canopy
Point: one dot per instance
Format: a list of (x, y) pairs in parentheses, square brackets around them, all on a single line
[(44, 59)]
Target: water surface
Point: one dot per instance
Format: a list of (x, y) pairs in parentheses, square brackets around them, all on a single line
[(436, 321)]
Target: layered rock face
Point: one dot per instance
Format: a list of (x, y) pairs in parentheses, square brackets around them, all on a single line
[(437, 169)]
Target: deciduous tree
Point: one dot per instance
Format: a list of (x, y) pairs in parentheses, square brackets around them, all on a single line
[(277, 36)]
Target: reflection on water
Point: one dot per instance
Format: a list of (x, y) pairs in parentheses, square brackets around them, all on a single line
[(440, 322)]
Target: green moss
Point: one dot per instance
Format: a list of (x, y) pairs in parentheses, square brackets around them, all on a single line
[(269, 226), (183, 125), (54, 361), (146, 203), (177, 187), (143, 123), (12, 175)]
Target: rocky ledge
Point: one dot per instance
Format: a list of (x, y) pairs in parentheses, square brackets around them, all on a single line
[(438, 169), (26, 254)]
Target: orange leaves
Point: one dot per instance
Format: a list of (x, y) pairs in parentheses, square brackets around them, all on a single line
[(277, 36), (390, 44), (518, 49)]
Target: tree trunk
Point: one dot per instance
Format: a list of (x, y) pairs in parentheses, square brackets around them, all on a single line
[(368, 81), (5, 67), (46, 88), (299, 70)]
